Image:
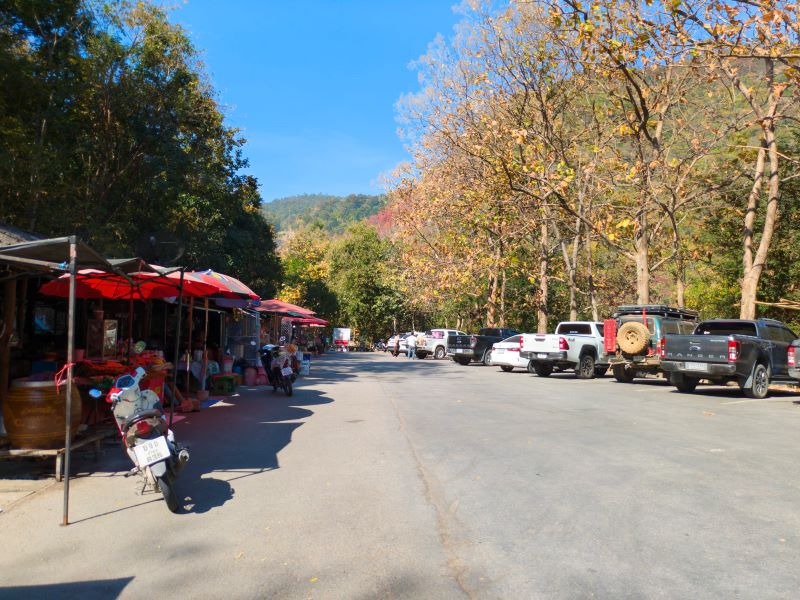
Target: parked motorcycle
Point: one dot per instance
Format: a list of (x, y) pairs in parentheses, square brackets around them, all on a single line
[(279, 368), (379, 346), (147, 439)]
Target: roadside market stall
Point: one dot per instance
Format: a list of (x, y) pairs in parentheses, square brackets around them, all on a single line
[(52, 256)]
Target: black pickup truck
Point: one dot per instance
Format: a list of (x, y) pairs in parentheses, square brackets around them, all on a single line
[(466, 348), (751, 353)]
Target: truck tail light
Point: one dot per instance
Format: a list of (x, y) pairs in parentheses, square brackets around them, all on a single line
[(733, 351), (472, 341), (562, 343), (662, 348), (791, 358)]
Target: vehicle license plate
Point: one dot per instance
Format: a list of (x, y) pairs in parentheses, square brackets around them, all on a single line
[(151, 451), (694, 366), (541, 355), (286, 371), (499, 350), (459, 351)]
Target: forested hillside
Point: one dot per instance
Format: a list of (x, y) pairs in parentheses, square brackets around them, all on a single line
[(332, 213)]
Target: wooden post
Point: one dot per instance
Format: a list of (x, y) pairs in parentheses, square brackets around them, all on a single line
[(73, 254), (189, 347), (205, 350), (9, 315)]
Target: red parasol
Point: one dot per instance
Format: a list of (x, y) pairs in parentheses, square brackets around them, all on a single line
[(280, 307), (311, 321), (227, 286), (90, 283)]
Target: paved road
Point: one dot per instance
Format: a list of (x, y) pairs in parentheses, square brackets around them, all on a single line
[(390, 478)]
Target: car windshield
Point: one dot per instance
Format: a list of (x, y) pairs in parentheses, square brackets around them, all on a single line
[(725, 328), (514, 339)]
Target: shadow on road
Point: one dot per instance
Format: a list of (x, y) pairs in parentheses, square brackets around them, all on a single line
[(240, 438), (101, 589)]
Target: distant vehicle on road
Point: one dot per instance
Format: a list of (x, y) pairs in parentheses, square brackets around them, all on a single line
[(577, 345), (506, 354), (631, 337), (465, 348), (434, 342), (751, 353)]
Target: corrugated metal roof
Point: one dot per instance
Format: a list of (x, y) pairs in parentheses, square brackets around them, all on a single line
[(11, 235)]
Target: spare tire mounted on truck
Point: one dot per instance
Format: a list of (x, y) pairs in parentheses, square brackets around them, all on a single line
[(633, 338)]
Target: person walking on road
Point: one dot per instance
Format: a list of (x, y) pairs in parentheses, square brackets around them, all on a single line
[(411, 345)]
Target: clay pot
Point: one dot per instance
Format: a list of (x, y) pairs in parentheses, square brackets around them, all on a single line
[(35, 414)]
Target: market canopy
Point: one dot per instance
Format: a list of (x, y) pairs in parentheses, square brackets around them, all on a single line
[(312, 322), (227, 286), (53, 255), (284, 308), (91, 283)]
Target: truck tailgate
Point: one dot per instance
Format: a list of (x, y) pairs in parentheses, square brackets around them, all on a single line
[(540, 342), (696, 348), (459, 341)]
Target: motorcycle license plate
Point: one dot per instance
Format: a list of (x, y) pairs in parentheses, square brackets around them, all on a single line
[(541, 355), (151, 451), (286, 371), (693, 366)]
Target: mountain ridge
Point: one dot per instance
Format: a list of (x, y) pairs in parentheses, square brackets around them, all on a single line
[(333, 213)]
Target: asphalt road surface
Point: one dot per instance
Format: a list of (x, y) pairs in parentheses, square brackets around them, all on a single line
[(393, 478)]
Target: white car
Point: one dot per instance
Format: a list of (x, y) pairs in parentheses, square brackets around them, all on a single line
[(403, 347), (434, 341), (505, 354)]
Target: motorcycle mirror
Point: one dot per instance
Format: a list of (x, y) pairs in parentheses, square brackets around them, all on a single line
[(95, 393)]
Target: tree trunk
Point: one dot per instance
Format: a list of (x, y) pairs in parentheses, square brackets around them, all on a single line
[(680, 288), (491, 303), (642, 263), (590, 278), (544, 267), (503, 300), (754, 264)]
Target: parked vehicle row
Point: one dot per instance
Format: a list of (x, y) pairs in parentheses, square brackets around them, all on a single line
[(465, 348), (642, 340)]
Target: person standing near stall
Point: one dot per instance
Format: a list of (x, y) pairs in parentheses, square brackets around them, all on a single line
[(411, 345)]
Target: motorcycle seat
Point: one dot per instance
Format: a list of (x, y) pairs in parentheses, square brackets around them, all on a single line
[(133, 419)]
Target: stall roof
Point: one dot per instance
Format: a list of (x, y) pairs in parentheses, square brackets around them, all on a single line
[(285, 308), (314, 321), (52, 255), (12, 235)]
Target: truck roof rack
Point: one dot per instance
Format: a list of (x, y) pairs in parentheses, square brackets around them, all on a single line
[(656, 309)]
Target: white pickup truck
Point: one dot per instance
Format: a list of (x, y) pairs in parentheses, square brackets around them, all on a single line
[(575, 345)]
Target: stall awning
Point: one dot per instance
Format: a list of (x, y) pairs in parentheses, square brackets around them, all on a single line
[(227, 286), (52, 255), (91, 283), (312, 321), (284, 308)]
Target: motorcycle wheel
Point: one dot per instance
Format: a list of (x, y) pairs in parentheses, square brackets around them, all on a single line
[(170, 497)]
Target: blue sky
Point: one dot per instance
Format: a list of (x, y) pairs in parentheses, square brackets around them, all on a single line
[(312, 84)]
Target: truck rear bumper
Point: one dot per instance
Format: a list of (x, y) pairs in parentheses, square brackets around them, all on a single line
[(544, 356), (465, 352), (711, 371)]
